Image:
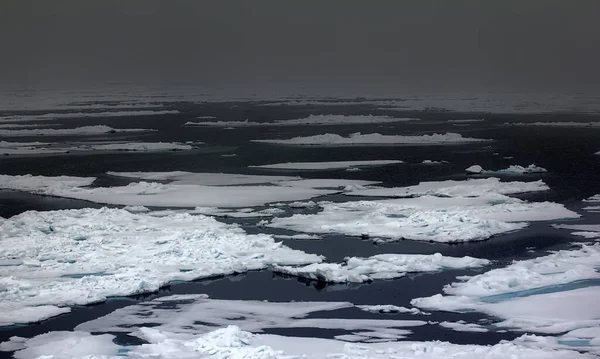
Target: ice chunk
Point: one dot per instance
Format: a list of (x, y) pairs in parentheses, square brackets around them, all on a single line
[(381, 266), (594, 198), (425, 218), (387, 308), (327, 165), (431, 162), (550, 294), (474, 169), (297, 236), (72, 257), (469, 188), (330, 139), (310, 120), (79, 131), (463, 326), (68, 345)]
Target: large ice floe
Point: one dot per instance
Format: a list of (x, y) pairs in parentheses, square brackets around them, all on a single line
[(139, 146), (381, 266), (77, 131), (357, 138), (511, 170), (327, 165), (28, 148), (233, 342), (310, 120), (54, 259), (41, 148), (555, 124), (446, 211), (68, 115), (187, 189), (553, 294)]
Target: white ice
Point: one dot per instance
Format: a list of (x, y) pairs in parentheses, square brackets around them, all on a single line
[(330, 139), (233, 342), (310, 120), (327, 165), (199, 314), (388, 308), (71, 257), (425, 218), (462, 326), (589, 231), (78, 131), (511, 170), (451, 188), (141, 146), (432, 162), (549, 294), (555, 124), (594, 198), (381, 266), (43, 184), (467, 120), (205, 179)]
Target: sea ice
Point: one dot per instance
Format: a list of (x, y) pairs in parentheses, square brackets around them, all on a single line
[(327, 165), (205, 179), (77, 257), (555, 124), (79, 131), (233, 342), (474, 169), (43, 184), (511, 170), (315, 120), (141, 146), (549, 294), (462, 326), (388, 308), (357, 138), (425, 218), (54, 116), (381, 266), (450, 188)]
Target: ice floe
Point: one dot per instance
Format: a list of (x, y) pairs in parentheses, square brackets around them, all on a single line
[(78, 131), (204, 178), (432, 162), (327, 165), (555, 124), (76, 257), (511, 170), (43, 184), (357, 138), (67, 115), (425, 218), (141, 146), (470, 120), (462, 326), (233, 342), (196, 313), (550, 294), (315, 120), (582, 230), (450, 188), (381, 266), (388, 308)]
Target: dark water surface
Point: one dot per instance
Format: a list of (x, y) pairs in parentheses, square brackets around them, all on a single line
[(567, 154)]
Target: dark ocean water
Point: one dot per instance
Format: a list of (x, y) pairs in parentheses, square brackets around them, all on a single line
[(567, 154)]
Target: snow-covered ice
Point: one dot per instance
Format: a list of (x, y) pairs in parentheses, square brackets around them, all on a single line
[(388, 308), (204, 178), (43, 184), (425, 218), (463, 326), (583, 230), (511, 170), (233, 342), (141, 146), (433, 162), (450, 188), (550, 294), (327, 165), (315, 120), (381, 266), (72, 257), (77, 131), (357, 138)]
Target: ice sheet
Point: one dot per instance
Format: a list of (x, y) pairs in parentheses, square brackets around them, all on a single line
[(327, 165), (381, 266), (450, 188), (330, 139), (83, 256), (425, 218)]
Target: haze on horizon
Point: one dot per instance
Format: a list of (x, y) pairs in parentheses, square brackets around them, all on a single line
[(303, 46)]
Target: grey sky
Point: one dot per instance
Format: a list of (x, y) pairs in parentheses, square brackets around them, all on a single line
[(378, 46)]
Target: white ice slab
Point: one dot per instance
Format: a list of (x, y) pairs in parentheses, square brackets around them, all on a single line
[(232, 342), (330, 139), (199, 314), (450, 188), (84, 256), (462, 326), (205, 179), (381, 266), (141, 146), (388, 308), (78, 131), (425, 218), (550, 294), (43, 184), (511, 170), (327, 165)]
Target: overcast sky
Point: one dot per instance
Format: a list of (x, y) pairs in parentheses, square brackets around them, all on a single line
[(371, 46)]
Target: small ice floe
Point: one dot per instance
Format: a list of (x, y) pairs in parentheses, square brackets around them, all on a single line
[(75, 115), (432, 162), (357, 138), (462, 326), (555, 124), (140, 146), (313, 120), (327, 165), (511, 170), (388, 308), (381, 266), (77, 131), (469, 120), (78, 257), (552, 294), (233, 342), (584, 230), (29, 148)]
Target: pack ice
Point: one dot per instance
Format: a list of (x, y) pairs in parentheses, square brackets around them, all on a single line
[(446, 211), (357, 138), (54, 259)]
